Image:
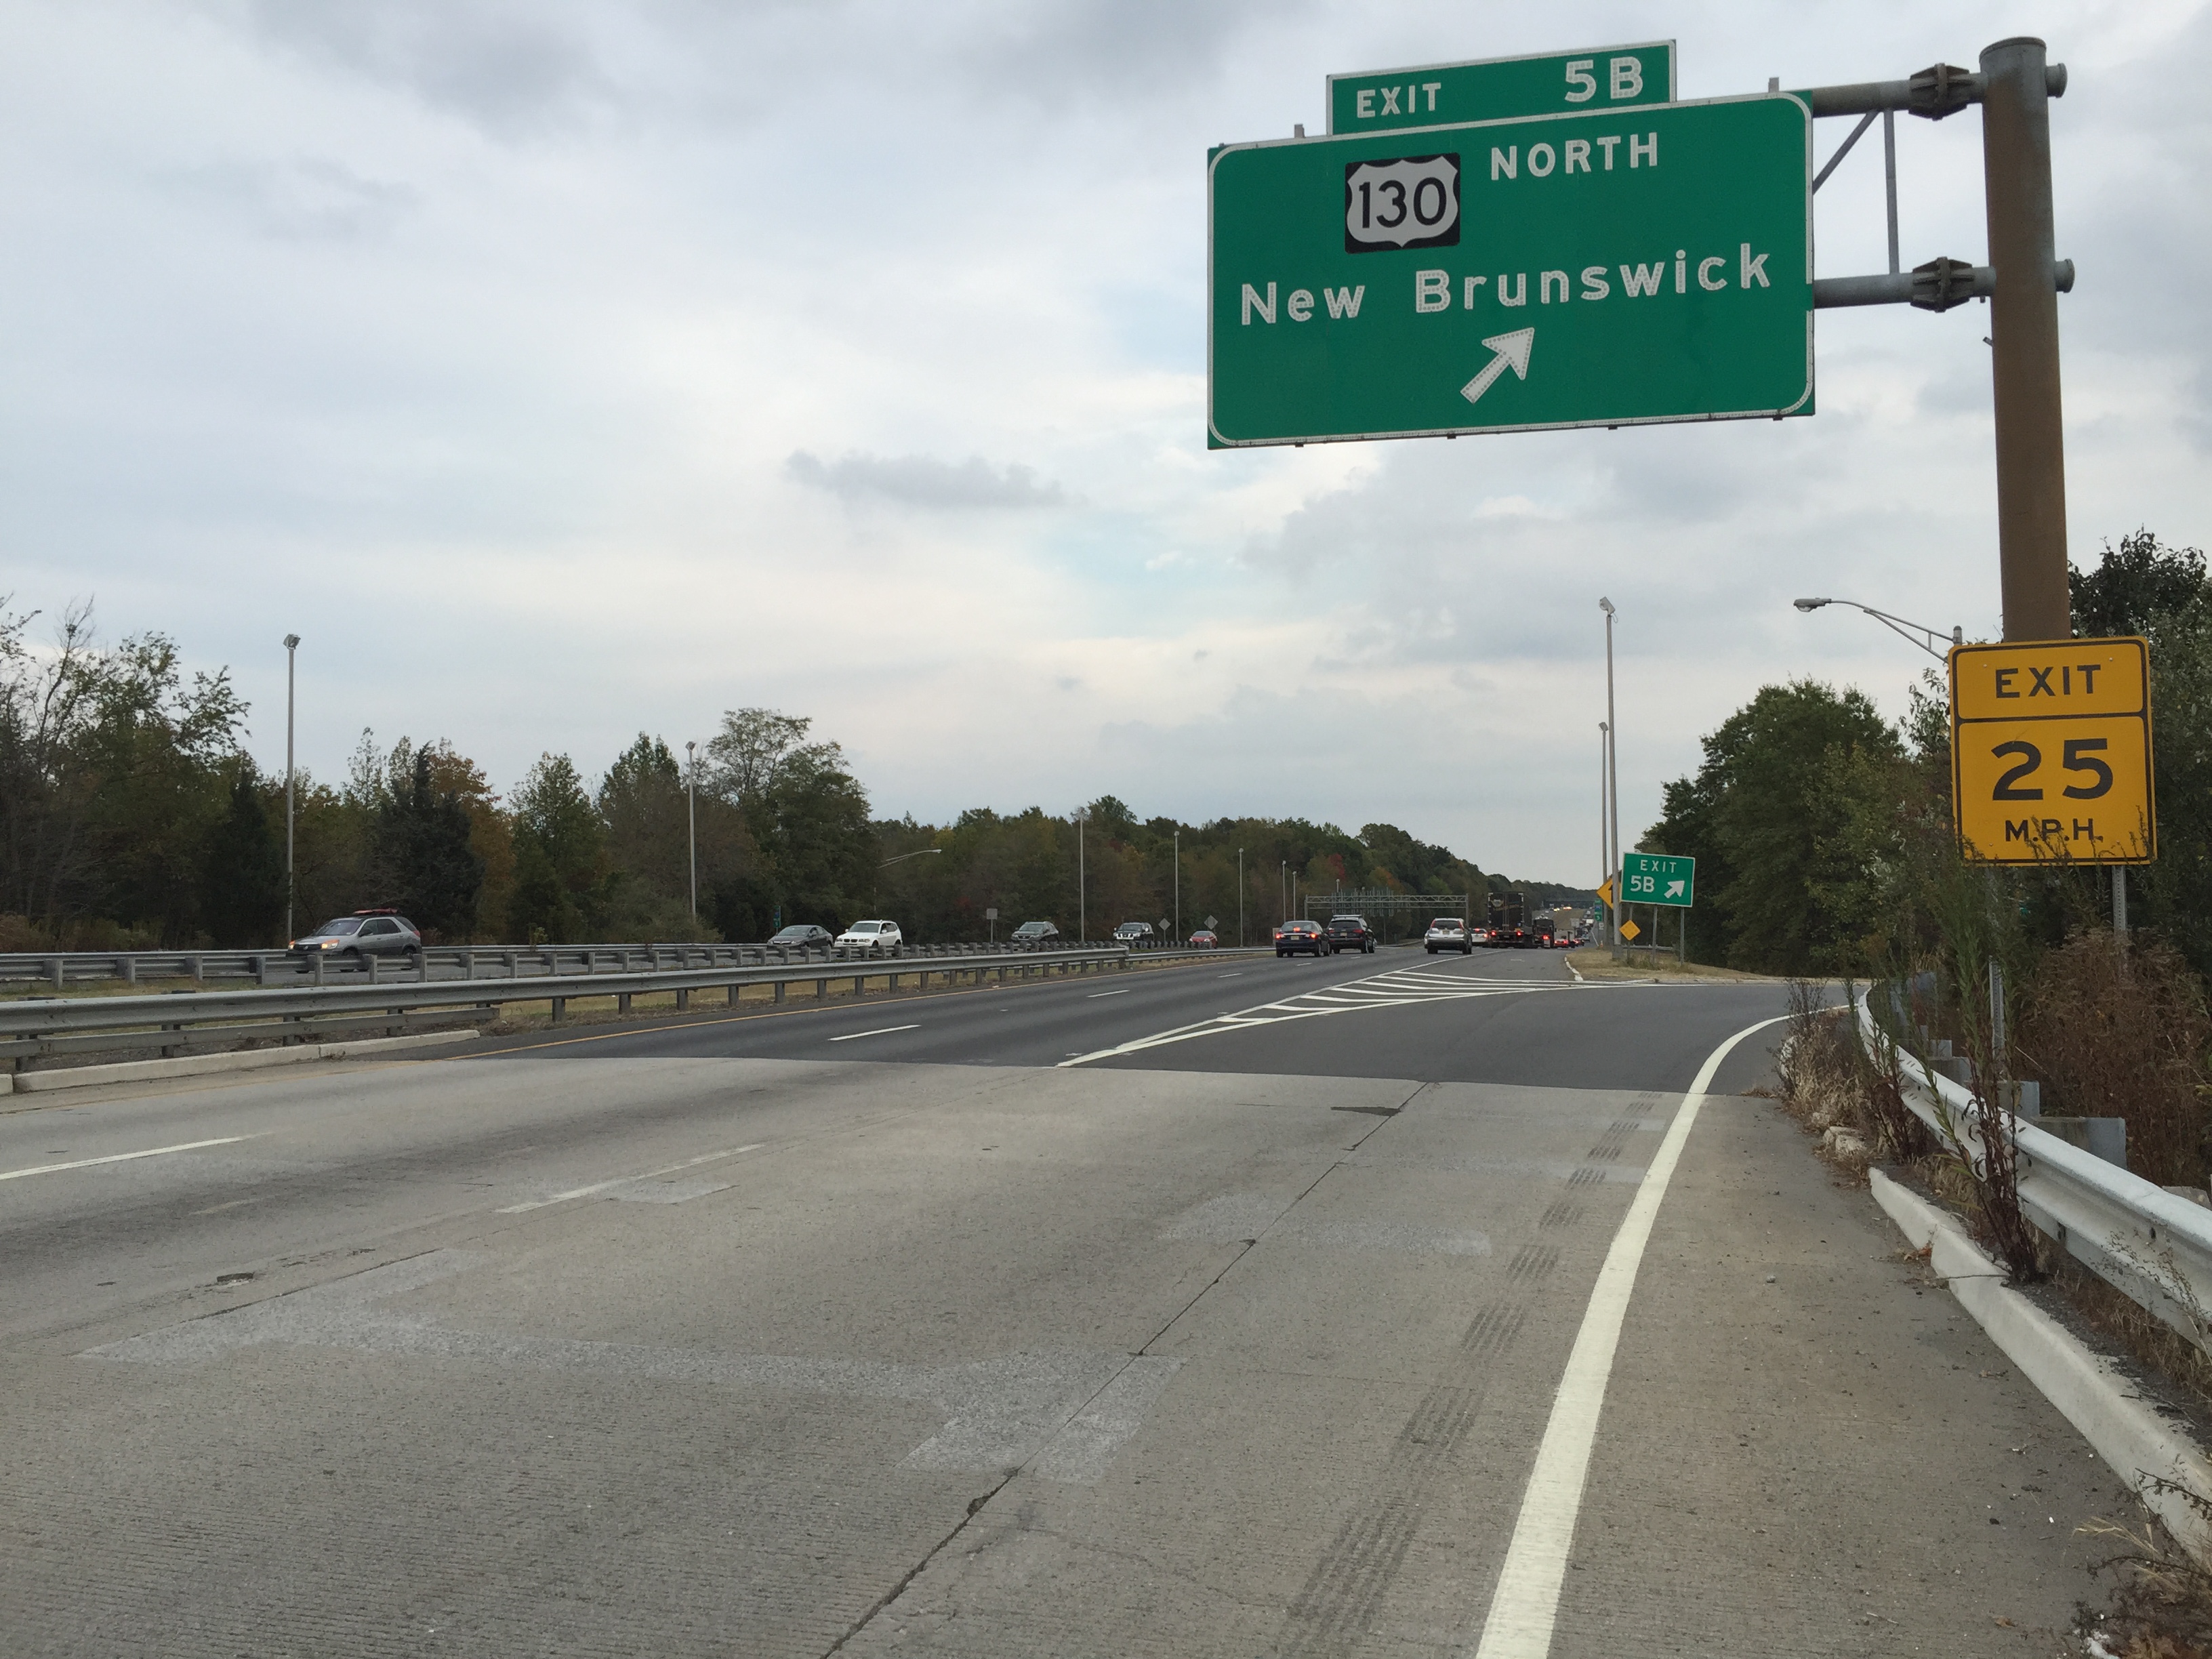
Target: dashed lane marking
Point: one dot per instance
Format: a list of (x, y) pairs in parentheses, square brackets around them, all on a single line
[(625, 1181), (881, 1030), (119, 1157)]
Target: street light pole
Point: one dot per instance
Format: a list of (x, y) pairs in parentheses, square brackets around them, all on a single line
[(1611, 775), (1178, 884), (1082, 896), (691, 808), (1605, 795), (1899, 626), (291, 661), (1240, 898)]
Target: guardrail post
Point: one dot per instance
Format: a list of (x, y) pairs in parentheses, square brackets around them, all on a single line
[(560, 1009), (129, 967), (622, 1002), (822, 990), (57, 972), (733, 993), (781, 985), (683, 999), (370, 962), (468, 964), (261, 970), (319, 963)]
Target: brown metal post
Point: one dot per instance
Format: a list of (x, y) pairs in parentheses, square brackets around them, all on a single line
[(2024, 335)]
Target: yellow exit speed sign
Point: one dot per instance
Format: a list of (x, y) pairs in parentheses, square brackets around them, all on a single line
[(2051, 752)]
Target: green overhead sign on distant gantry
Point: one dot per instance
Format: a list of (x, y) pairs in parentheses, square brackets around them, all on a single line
[(1605, 269), (1435, 95)]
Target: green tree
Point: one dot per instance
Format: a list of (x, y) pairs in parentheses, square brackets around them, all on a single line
[(559, 843), (803, 810), (242, 884), (422, 839), (2136, 583), (1779, 816)]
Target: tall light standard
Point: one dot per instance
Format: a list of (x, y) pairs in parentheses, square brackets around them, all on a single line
[(1604, 794), (691, 813), (291, 660), (1082, 893), (1612, 776), (1240, 898), (1178, 884), (1897, 625)]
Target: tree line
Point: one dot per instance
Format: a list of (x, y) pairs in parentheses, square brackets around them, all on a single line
[(1823, 833), (132, 816)]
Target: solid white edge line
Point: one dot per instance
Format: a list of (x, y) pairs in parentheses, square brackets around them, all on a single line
[(1526, 1605), (1123, 992), (118, 1158), (881, 1030)]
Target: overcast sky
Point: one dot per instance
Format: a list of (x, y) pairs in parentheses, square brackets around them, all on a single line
[(559, 371)]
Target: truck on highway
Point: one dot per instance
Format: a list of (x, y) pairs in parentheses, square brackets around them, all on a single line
[(1509, 919)]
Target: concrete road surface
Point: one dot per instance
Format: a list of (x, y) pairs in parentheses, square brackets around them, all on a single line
[(1383, 1305)]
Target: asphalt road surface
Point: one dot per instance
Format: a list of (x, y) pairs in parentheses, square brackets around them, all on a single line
[(1389, 1304)]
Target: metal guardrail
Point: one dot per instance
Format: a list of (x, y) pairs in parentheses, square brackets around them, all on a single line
[(42, 1027), (63, 969), (2143, 1241)]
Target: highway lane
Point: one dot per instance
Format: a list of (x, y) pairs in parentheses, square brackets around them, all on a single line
[(1490, 1017), (715, 1336)]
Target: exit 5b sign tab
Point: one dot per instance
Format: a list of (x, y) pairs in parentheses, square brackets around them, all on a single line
[(2050, 755)]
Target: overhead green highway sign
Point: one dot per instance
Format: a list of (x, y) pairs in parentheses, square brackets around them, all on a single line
[(1484, 89), (1658, 878), (1609, 269)]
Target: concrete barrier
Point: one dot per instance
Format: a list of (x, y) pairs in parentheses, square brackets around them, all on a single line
[(249, 1060)]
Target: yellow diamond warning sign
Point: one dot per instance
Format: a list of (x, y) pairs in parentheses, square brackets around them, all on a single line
[(2050, 757), (1629, 930)]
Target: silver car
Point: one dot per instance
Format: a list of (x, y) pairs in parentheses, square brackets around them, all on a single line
[(363, 933)]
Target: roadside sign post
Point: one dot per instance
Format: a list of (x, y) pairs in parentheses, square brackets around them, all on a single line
[(1612, 269), (2051, 754), (1549, 83), (1658, 878), (1663, 881)]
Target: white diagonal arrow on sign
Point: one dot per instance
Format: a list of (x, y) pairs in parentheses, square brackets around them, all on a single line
[(1512, 351), (1674, 889)]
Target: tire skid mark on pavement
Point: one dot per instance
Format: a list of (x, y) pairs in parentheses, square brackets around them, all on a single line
[(1069, 1411), (1398, 988), (1343, 1599)]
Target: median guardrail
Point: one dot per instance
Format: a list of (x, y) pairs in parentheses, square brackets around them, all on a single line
[(35, 1028), (62, 969), (2154, 1247)]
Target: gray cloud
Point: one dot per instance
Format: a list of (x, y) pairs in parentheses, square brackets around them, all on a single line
[(310, 199), (510, 68), (924, 481)]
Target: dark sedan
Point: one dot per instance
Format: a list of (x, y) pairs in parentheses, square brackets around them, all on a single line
[(1306, 936)]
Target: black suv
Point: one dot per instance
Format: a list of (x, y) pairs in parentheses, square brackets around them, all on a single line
[(1350, 933)]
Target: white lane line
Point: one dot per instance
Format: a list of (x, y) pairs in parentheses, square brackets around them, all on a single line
[(1239, 974), (625, 1181), (119, 1157), (1095, 996), (1526, 1603), (881, 1030)]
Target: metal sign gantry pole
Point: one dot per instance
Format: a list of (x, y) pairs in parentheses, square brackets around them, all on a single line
[(2024, 340), (2022, 282)]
